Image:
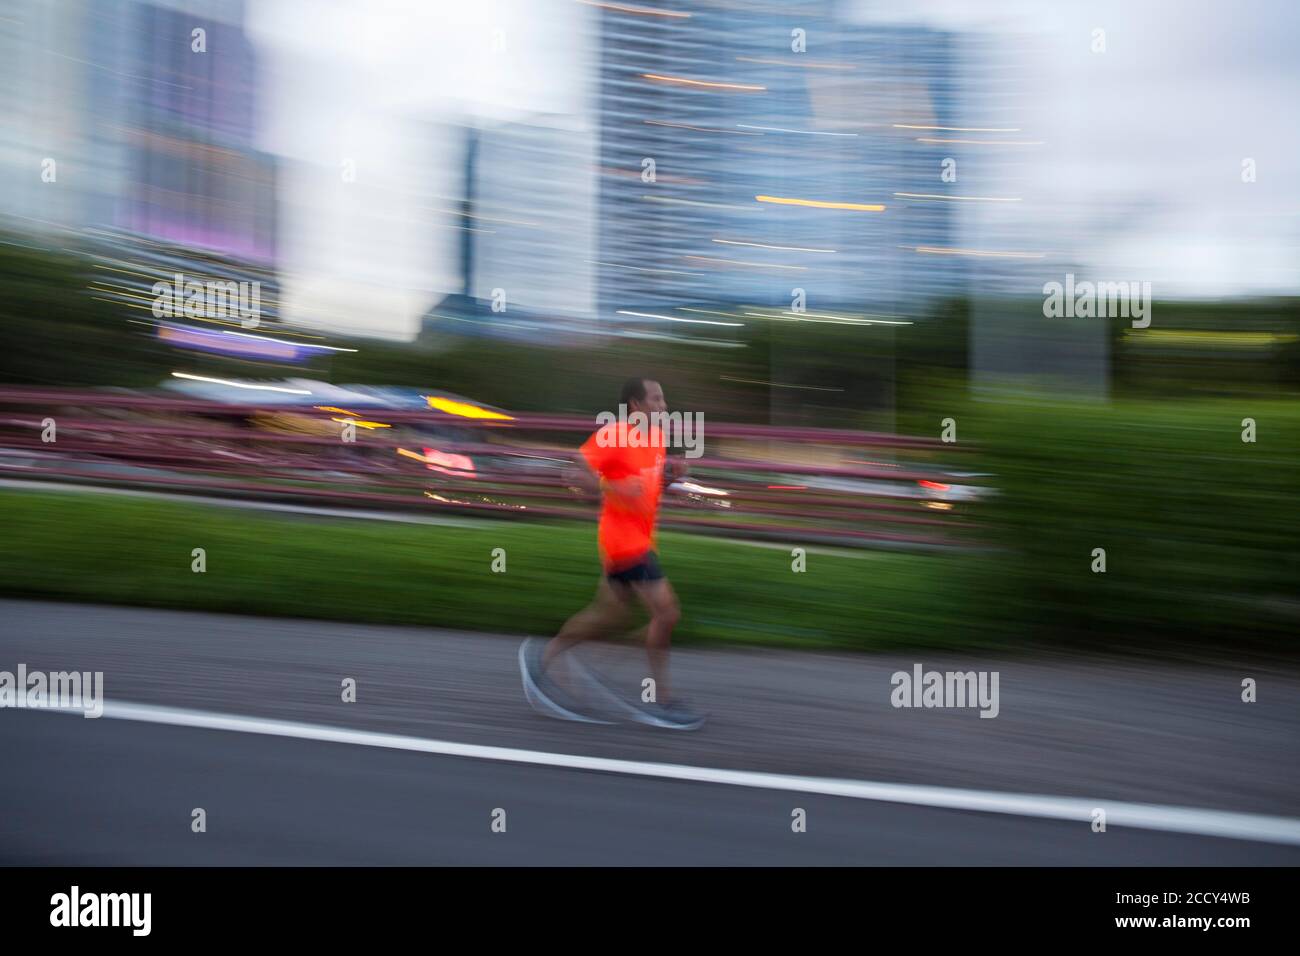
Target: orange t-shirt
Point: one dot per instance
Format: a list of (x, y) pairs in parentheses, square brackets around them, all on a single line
[(627, 529)]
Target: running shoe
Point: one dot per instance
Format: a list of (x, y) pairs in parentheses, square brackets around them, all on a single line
[(675, 714), (610, 699), (544, 694)]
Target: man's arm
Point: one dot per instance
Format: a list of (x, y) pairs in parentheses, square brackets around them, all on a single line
[(579, 475)]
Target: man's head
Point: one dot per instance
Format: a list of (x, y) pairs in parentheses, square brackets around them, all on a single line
[(643, 395)]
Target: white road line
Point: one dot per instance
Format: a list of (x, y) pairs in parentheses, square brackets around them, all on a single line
[(1146, 816)]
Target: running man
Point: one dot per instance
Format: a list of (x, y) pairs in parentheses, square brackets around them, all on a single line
[(627, 463)]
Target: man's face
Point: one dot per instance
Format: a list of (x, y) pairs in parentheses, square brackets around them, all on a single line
[(654, 399)]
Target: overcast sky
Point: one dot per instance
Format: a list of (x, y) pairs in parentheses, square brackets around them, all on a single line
[(1140, 172)]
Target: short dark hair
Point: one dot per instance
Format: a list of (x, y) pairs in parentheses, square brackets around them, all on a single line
[(633, 388)]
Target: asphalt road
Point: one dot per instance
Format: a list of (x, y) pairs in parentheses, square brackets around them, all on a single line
[(113, 791)]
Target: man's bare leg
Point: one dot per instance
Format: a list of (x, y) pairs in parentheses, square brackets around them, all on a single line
[(661, 603), (606, 613)]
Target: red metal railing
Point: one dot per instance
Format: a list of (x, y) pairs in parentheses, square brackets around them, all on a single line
[(789, 484)]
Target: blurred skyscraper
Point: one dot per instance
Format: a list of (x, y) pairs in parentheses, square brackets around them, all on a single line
[(532, 205), (50, 171), (748, 150), (138, 116), (194, 174)]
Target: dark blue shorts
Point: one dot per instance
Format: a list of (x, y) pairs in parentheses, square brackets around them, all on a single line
[(645, 568)]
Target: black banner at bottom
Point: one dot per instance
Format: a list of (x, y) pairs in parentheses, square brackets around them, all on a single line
[(181, 905)]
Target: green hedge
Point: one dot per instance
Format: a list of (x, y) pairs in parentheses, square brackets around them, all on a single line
[(1200, 529), (103, 548)]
